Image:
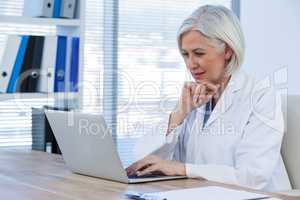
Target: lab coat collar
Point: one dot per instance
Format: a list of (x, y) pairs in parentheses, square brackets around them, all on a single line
[(236, 82)]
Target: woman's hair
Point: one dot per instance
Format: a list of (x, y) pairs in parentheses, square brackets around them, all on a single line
[(221, 26)]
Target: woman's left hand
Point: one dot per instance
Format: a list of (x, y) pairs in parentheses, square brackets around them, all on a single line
[(153, 164)]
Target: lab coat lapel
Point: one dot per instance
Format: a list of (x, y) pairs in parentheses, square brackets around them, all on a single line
[(226, 99)]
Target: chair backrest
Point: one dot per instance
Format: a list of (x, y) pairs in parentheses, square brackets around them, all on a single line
[(291, 141)]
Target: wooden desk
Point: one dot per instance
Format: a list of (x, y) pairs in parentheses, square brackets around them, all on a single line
[(39, 175)]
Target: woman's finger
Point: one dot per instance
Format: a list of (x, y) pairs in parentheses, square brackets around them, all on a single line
[(205, 96), (149, 170), (142, 164), (212, 87), (131, 169), (200, 99), (198, 92), (189, 89), (204, 99)]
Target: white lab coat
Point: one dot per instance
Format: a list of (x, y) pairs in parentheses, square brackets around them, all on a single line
[(240, 143)]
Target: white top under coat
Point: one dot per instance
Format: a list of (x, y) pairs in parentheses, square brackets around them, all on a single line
[(241, 141)]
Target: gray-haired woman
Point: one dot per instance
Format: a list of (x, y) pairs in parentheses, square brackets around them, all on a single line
[(226, 127)]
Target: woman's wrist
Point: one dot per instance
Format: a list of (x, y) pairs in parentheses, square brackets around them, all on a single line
[(175, 119), (179, 115), (181, 169)]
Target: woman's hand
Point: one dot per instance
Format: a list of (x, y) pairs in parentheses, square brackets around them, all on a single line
[(193, 95), (153, 164)]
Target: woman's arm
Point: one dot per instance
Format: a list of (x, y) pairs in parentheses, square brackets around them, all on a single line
[(257, 153), (193, 96)]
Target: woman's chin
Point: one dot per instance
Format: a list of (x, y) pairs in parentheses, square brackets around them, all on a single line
[(200, 78)]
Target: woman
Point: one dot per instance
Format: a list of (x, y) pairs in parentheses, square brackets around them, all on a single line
[(226, 127)]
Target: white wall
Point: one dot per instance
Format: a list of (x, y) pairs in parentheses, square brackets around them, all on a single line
[(272, 32)]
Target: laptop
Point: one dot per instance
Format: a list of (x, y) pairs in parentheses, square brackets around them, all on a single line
[(88, 148)]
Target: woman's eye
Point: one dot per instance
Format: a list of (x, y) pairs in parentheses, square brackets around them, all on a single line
[(184, 54), (199, 53)]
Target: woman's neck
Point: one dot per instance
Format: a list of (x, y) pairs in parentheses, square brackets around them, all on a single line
[(223, 84)]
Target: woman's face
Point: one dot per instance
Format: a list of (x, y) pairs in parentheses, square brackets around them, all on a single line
[(204, 61)]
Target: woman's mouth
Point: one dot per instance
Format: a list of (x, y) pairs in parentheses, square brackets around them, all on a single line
[(198, 75)]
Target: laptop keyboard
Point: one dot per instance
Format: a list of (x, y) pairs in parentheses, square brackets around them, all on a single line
[(135, 176)]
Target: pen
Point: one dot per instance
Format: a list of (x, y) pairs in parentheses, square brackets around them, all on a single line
[(135, 196), (259, 198), (141, 196)]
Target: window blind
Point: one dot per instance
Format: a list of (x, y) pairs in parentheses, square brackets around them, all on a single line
[(92, 82)]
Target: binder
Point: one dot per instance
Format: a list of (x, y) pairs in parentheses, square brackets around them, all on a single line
[(13, 82), (34, 72), (26, 65), (68, 64), (57, 8), (68, 8), (38, 8), (74, 65), (46, 81), (8, 61), (29, 76), (60, 67)]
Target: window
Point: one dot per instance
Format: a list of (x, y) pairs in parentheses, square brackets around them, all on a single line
[(140, 69)]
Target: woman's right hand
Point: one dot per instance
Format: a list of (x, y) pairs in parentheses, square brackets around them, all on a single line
[(193, 95)]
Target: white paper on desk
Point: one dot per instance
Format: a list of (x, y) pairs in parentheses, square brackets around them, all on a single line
[(208, 193)]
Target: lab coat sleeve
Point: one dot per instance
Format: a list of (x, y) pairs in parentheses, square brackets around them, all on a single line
[(173, 141), (258, 151)]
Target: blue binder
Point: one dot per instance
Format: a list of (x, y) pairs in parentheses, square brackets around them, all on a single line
[(74, 65), (57, 8), (12, 86), (60, 67)]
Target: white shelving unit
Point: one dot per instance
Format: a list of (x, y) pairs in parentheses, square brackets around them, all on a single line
[(56, 96), (68, 27), (40, 21)]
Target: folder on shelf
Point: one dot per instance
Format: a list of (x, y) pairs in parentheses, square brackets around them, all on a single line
[(38, 8), (26, 65), (8, 61), (68, 8), (57, 8), (60, 67), (74, 65), (68, 64), (46, 81), (13, 82), (34, 72), (29, 76)]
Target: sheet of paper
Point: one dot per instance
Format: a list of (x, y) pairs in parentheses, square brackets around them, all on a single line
[(209, 193)]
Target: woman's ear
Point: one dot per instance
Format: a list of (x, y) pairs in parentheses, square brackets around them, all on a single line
[(228, 52)]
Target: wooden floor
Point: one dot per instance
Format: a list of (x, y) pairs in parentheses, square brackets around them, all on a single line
[(38, 175)]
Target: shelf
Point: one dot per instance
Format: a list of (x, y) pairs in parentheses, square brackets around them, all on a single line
[(40, 21), (57, 96)]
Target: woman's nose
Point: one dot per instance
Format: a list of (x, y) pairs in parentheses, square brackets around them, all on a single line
[(191, 63)]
